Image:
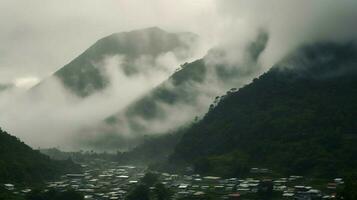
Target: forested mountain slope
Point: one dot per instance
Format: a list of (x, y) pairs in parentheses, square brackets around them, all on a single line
[(187, 93), (21, 164), (298, 118)]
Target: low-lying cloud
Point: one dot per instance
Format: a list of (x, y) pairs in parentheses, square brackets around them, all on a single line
[(51, 115), (55, 117), (294, 23)]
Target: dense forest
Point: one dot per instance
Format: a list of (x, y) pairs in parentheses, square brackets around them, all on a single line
[(21, 164), (297, 118)]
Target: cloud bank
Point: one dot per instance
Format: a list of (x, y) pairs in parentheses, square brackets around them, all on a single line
[(42, 36)]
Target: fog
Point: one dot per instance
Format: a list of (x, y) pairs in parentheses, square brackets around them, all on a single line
[(40, 37), (51, 115), (293, 23), (158, 113)]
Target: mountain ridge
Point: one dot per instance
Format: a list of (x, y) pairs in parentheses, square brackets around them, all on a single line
[(21, 164), (184, 91), (84, 75), (297, 118)]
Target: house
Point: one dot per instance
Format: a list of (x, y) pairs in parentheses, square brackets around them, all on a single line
[(199, 194), (133, 182), (211, 178), (339, 181), (279, 187), (288, 195), (183, 186), (26, 191), (234, 196), (259, 170), (331, 186), (9, 186), (75, 175)]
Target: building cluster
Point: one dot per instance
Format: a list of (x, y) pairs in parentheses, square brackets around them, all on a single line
[(293, 187), (16, 190), (104, 180), (101, 180)]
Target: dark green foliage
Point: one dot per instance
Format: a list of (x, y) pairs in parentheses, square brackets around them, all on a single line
[(20, 163), (150, 179), (139, 192), (143, 192), (265, 190), (232, 163), (349, 190), (162, 193), (298, 118)]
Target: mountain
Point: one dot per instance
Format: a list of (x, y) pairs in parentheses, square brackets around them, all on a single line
[(297, 118), (138, 51), (184, 96), (21, 164)]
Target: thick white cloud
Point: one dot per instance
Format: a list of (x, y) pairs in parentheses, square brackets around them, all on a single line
[(39, 36), (291, 23), (26, 82)]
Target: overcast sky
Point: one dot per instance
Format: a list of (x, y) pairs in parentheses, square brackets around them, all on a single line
[(37, 37)]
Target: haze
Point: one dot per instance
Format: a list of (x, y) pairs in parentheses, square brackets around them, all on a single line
[(40, 37)]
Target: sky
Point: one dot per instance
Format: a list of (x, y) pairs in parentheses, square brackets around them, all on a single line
[(38, 37)]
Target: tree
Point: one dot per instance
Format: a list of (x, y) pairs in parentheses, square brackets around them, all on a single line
[(349, 190), (140, 192), (265, 190), (162, 193), (149, 179)]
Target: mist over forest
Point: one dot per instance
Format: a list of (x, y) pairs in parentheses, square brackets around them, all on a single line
[(66, 104), (258, 96)]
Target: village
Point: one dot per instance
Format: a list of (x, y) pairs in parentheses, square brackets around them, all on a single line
[(106, 180)]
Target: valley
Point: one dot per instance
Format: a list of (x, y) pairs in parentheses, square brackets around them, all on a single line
[(178, 100), (107, 180)]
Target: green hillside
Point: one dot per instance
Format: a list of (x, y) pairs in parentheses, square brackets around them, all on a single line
[(298, 118), (21, 164)]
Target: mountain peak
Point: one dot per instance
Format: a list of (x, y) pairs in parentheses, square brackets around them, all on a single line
[(83, 76)]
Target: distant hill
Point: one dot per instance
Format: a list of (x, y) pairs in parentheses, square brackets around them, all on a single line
[(21, 164), (298, 118), (185, 95), (85, 75)]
